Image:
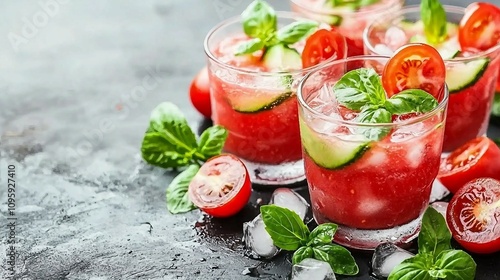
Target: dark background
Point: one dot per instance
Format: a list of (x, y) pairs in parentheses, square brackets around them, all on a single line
[(73, 111)]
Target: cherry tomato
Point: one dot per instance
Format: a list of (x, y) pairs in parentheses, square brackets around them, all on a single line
[(472, 216), (477, 158), (221, 187), (199, 93), (417, 66), (480, 27), (322, 45)]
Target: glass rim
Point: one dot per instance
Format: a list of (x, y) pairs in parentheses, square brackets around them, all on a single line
[(416, 8), (333, 11), (302, 102), (241, 70)]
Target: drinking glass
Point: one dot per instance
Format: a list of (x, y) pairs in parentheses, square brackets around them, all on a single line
[(375, 190)]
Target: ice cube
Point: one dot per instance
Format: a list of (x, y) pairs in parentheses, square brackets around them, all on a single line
[(291, 200), (441, 207), (386, 257), (415, 153), (309, 269), (395, 37), (257, 239), (438, 192), (382, 49)]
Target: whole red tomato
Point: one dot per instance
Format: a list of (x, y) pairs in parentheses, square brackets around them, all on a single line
[(199, 93)]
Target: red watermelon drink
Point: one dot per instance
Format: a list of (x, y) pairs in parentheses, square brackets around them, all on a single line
[(349, 17), (369, 165), (255, 62), (470, 51)]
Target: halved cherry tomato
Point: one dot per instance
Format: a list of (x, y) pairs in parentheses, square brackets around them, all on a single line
[(322, 45), (417, 66), (221, 187), (477, 158), (480, 27), (199, 93), (472, 216)]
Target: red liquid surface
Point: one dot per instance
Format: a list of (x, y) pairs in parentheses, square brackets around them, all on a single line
[(388, 186), (270, 136)]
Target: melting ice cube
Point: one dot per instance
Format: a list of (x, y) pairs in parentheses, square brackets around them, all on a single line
[(395, 37), (382, 49), (309, 269), (291, 200), (441, 207), (386, 257), (438, 192), (257, 239)]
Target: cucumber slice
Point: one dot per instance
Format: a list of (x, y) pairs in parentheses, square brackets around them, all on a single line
[(330, 154), (448, 49), (255, 103), (282, 58), (463, 75)]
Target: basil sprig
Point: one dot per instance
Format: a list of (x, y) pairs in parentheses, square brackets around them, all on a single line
[(434, 18), (435, 259), (260, 22), (354, 4), (169, 142), (289, 232), (361, 90)]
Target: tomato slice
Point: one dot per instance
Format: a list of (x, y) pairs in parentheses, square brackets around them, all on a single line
[(472, 216), (417, 66), (322, 45), (199, 93), (477, 158), (480, 27), (221, 187)]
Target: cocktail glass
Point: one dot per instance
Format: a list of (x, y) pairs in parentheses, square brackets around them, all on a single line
[(258, 108), (349, 22), (374, 190), (471, 85)]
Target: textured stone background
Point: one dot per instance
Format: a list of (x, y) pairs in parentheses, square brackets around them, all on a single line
[(73, 109)]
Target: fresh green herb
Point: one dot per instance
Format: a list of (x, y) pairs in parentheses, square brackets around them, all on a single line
[(435, 259), (496, 105), (177, 196), (411, 100), (362, 90), (497, 141), (434, 19), (354, 4), (260, 23), (169, 142), (289, 232)]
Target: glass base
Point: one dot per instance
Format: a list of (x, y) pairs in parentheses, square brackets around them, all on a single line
[(276, 175), (368, 239)]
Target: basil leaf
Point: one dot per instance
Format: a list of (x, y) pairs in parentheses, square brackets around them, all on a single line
[(259, 20), (455, 264), (434, 236), (339, 258), (295, 31), (415, 268), (169, 141), (302, 253), (322, 234), (250, 46), (364, 3), (177, 192), (285, 227), (434, 19), (211, 141), (411, 101), (497, 141), (374, 115), (496, 105), (358, 88), (157, 149)]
